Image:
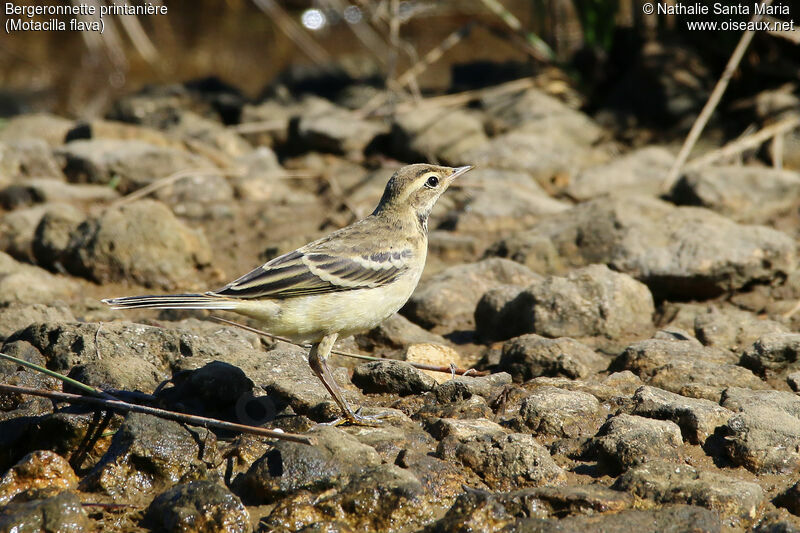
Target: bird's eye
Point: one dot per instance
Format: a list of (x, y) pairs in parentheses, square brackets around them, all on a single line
[(432, 182)]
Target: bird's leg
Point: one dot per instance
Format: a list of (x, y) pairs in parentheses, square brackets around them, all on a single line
[(318, 360)]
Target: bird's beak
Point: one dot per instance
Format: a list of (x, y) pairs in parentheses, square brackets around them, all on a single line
[(459, 171)]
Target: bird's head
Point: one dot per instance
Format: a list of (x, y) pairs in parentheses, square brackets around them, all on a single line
[(416, 188)]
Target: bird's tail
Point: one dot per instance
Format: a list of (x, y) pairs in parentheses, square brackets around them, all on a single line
[(172, 301)]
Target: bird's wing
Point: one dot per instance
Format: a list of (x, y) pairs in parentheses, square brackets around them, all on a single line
[(317, 270)]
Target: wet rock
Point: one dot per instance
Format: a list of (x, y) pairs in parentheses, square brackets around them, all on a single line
[(142, 242), (29, 284), (148, 454), (763, 434), (697, 418), (743, 193), (448, 299), (383, 498), (19, 406), (465, 387), (554, 412), (291, 467), (670, 483), (588, 302), (732, 328), (396, 377), (530, 356), (436, 135), (50, 128), (626, 440), (685, 367), (442, 481), (198, 507), (503, 461), (396, 332), (641, 171), (51, 236), (38, 470), (534, 251), (61, 513), (337, 130), (396, 434), (131, 164), (772, 353), (679, 252)]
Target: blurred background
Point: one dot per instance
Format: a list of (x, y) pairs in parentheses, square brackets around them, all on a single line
[(607, 57)]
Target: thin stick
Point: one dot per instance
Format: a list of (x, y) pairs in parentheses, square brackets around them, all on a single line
[(292, 30), (711, 104), (125, 407), (139, 38), (789, 35), (77, 384), (541, 50), (745, 143), (421, 366)]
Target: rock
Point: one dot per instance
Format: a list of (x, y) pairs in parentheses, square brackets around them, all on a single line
[(63, 512), (193, 129), (641, 171), (51, 129), (463, 430), (466, 387), (131, 164), (625, 440), (436, 135), (743, 193), (148, 454), (19, 407), (38, 470), (51, 236), (530, 356), (396, 435), (290, 467), (196, 195), (534, 251), (732, 328), (793, 380), (112, 129), (503, 461), (442, 481), (448, 299), (779, 521), (17, 229), (679, 252), (775, 352), (668, 519), (685, 367), (789, 499), (588, 302), (22, 159), (495, 313), (396, 377), (29, 284), (670, 483), (439, 355), (763, 435), (532, 110), (42, 190), (198, 506), (337, 130), (506, 201), (142, 242), (697, 418), (395, 333), (383, 498), (559, 413)]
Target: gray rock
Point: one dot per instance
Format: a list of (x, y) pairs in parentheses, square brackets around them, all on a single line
[(198, 507), (667, 519), (448, 299), (290, 467), (16, 407), (51, 129), (337, 130), (196, 195), (149, 454), (41, 190), (51, 235), (793, 380), (554, 412), (396, 377), (29, 284), (63, 512), (395, 436), (685, 367), (132, 164), (779, 521), (395, 333), (463, 430), (141, 242), (530, 356), (732, 328), (679, 252), (626, 440), (24, 158), (436, 135), (697, 418), (774, 352), (534, 251), (465, 387), (588, 302), (194, 129), (471, 408), (503, 462), (496, 311), (642, 171), (670, 483), (17, 229), (743, 193)]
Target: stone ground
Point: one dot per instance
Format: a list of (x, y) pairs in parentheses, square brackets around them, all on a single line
[(642, 346)]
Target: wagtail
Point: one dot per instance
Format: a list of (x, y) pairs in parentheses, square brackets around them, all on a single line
[(347, 282)]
